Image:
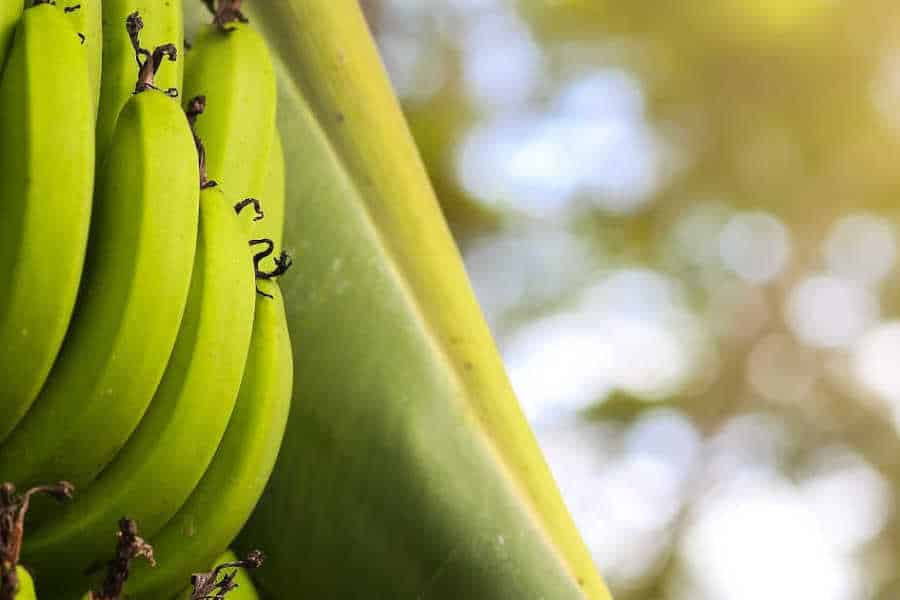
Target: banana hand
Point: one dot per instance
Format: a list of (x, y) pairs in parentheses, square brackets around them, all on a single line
[(131, 301), (160, 465)]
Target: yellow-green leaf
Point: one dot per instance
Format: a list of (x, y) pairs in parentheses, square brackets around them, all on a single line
[(408, 470)]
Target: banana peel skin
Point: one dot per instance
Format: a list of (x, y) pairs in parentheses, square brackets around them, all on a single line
[(47, 185), (10, 12), (408, 469), (26, 585)]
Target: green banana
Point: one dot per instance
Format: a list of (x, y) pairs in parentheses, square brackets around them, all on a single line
[(86, 19), (272, 198), (10, 12), (26, 584), (234, 71), (158, 468), (48, 177), (244, 590), (225, 497), (163, 23), (130, 304)]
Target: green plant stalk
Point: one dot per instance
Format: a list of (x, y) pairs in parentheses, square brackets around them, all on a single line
[(408, 468)]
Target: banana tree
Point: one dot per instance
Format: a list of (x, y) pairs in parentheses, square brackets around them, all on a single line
[(408, 470)]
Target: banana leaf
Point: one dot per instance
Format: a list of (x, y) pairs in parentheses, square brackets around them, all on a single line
[(408, 469)]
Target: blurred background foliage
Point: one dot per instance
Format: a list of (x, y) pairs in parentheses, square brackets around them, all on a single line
[(681, 221)]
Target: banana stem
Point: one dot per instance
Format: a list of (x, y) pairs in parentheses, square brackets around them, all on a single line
[(194, 109), (13, 508), (208, 585), (129, 547), (229, 11), (9, 580), (148, 63)]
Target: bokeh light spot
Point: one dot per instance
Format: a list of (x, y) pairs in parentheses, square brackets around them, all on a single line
[(755, 246), (830, 312), (861, 247), (875, 361), (595, 147), (759, 539)]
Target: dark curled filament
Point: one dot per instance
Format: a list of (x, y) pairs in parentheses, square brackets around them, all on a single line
[(257, 207), (283, 262), (148, 63), (67, 10), (194, 109), (208, 586), (133, 25), (228, 11)]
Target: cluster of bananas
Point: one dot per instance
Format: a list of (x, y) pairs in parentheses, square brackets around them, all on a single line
[(144, 352)]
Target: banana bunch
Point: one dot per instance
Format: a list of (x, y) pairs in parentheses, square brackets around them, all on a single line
[(144, 350)]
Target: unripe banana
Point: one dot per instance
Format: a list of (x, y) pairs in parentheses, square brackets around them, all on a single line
[(26, 584), (230, 488), (234, 71), (130, 304), (271, 226), (86, 19), (163, 23), (160, 465), (47, 182), (10, 12)]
